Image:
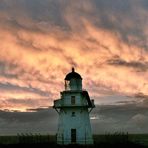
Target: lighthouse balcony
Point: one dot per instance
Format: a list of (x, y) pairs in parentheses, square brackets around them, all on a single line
[(92, 104), (61, 103), (58, 103)]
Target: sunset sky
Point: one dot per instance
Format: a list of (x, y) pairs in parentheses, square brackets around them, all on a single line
[(105, 40)]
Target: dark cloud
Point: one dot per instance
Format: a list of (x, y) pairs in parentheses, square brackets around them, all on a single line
[(127, 118), (10, 87), (36, 116), (36, 12), (43, 122), (138, 65), (141, 95), (124, 19), (111, 15), (104, 119)]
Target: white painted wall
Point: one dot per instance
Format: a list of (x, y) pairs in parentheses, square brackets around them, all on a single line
[(80, 122)]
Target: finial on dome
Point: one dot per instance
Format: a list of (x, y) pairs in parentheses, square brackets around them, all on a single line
[(73, 75), (73, 69)]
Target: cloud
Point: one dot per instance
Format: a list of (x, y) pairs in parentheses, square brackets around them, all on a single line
[(140, 120), (41, 40), (127, 117), (139, 65), (39, 122)]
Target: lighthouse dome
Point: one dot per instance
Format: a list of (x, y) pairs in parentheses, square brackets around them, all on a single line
[(73, 81), (73, 75)]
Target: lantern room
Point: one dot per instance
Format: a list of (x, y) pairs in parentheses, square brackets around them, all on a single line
[(73, 81)]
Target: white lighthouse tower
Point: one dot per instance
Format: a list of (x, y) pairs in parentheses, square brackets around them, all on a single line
[(73, 108)]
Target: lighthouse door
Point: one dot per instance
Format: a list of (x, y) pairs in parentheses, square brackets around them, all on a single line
[(73, 136)]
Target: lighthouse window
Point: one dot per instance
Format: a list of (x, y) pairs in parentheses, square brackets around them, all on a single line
[(73, 114), (73, 101)]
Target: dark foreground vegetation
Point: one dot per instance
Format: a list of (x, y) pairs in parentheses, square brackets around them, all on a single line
[(117, 140)]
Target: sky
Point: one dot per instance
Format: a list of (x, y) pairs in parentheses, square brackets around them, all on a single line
[(106, 42)]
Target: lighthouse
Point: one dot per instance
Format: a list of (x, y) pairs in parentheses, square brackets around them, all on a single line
[(74, 108)]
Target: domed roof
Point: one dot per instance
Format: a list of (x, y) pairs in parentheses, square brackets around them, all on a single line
[(72, 75)]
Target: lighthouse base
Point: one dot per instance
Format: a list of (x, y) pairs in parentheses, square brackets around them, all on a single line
[(63, 141), (82, 142)]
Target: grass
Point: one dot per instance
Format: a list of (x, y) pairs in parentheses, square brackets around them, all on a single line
[(102, 141)]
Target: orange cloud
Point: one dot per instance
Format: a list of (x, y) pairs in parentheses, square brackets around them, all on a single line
[(42, 53)]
